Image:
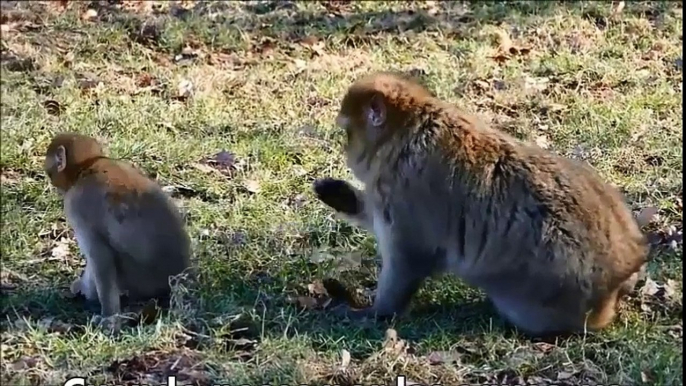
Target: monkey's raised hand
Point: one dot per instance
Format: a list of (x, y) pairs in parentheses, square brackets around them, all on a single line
[(345, 199), (339, 195)]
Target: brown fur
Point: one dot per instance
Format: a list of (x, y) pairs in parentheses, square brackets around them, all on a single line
[(129, 231), (542, 235)]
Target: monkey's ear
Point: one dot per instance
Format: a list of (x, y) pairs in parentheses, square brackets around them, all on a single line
[(376, 111), (60, 159)]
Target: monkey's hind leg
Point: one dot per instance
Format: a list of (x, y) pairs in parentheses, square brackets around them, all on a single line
[(604, 313)]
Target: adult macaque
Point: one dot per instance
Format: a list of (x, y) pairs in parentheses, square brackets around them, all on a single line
[(128, 229), (551, 244)]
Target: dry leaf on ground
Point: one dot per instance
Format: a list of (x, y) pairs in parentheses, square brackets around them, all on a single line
[(224, 162), (9, 177), (53, 107), (61, 250), (654, 294), (252, 186), (507, 48), (184, 89), (542, 142), (89, 14), (156, 366)]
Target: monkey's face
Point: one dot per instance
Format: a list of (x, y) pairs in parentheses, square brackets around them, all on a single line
[(354, 145), (363, 121), (53, 166)]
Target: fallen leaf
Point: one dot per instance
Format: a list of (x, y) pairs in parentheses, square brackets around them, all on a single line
[(88, 81), (253, 186), (265, 47), (499, 85), (345, 359), (188, 55), (650, 288), (349, 261), (203, 168), (241, 344), (676, 331), (53, 107), (61, 250), (542, 142), (442, 357), (393, 344), (536, 84), (646, 216), (26, 362), (10, 280), (224, 162), (224, 59), (154, 367), (321, 255), (654, 160), (391, 335), (298, 201), (315, 45), (562, 375), (9, 177), (317, 289), (89, 14), (544, 347), (506, 47), (147, 82), (482, 84), (617, 10), (655, 294), (184, 89)]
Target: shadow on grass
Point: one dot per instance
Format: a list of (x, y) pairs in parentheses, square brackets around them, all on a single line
[(38, 303), (285, 22), (226, 25)]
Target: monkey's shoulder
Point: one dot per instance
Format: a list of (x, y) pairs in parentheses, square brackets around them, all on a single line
[(118, 183)]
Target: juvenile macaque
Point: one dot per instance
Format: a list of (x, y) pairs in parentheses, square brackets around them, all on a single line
[(130, 232), (551, 244)]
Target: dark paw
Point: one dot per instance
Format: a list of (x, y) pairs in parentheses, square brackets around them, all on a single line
[(339, 195)]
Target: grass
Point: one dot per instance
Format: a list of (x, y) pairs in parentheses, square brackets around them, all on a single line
[(587, 80)]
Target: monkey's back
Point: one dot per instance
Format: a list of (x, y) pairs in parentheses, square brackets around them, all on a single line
[(137, 219), (521, 219)]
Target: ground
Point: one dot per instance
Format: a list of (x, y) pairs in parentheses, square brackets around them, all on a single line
[(230, 106)]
